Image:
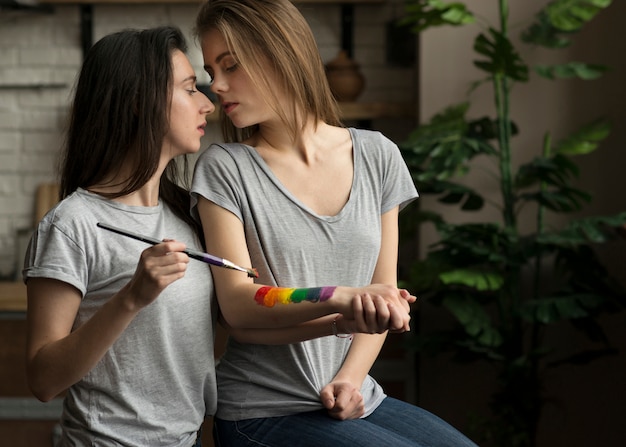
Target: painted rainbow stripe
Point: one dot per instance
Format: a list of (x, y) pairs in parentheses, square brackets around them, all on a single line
[(268, 296)]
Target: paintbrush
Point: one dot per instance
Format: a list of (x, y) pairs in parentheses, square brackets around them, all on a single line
[(200, 256)]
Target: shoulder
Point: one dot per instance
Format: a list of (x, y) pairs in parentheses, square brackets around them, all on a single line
[(371, 137), (66, 211), (221, 152), (374, 147)]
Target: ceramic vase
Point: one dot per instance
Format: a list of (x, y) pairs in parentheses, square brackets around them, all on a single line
[(345, 80)]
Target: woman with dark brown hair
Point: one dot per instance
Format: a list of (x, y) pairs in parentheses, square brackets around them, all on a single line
[(126, 330)]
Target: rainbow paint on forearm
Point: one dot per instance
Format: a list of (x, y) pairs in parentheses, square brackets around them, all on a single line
[(268, 296)]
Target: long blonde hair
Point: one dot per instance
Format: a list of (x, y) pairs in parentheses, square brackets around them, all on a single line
[(273, 34)]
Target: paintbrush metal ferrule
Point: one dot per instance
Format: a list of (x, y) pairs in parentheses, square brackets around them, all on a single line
[(198, 255)]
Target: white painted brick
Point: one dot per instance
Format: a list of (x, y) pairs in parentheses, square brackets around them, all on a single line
[(25, 32), (26, 76), (17, 206), (9, 119), (378, 13), (8, 185), (112, 18), (369, 35), (31, 182), (8, 163), (40, 120), (325, 22), (44, 97), (9, 143), (371, 55), (65, 75), (38, 162), (5, 225), (8, 57), (8, 97), (48, 142), (62, 56)]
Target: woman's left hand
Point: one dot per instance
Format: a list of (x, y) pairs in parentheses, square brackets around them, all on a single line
[(343, 400)]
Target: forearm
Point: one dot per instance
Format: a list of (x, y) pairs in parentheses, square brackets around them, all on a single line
[(320, 327), (57, 365), (361, 357), (244, 307)]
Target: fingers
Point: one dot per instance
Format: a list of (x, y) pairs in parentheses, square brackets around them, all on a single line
[(407, 296), (343, 400), (374, 315), (158, 267), (327, 397)]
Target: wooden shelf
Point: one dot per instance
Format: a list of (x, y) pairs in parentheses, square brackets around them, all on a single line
[(374, 110), (12, 296)]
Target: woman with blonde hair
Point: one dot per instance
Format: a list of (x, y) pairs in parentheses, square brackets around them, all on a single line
[(314, 206)]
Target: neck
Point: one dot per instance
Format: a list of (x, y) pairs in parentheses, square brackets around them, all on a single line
[(146, 195)]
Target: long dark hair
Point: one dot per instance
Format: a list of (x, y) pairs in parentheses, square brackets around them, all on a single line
[(120, 116)]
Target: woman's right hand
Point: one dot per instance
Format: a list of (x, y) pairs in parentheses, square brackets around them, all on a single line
[(158, 267)]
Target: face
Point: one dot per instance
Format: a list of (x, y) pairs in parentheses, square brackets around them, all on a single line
[(188, 110), (238, 96)]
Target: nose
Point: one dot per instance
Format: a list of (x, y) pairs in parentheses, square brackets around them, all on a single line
[(207, 106), (219, 84)]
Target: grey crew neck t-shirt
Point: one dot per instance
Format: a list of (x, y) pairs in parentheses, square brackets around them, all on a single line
[(156, 383)]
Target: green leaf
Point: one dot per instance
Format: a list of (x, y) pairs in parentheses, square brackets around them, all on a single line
[(442, 148), (543, 33), (475, 279), (584, 140), (571, 70), (571, 15), (559, 19), (553, 171), (563, 199), (424, 14), (501, 56), (474, 320), (596, 229), (550, 309)]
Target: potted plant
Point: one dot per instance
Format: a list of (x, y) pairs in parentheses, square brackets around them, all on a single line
[(504, 286)]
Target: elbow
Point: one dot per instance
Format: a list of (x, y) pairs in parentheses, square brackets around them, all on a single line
[(42, 391), (233, 321), (42, 394)]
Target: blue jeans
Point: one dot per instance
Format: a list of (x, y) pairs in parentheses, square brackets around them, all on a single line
[(394, 423), (198, 439)]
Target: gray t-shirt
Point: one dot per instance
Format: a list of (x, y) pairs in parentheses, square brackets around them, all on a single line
[(155, 384), (291, 246)]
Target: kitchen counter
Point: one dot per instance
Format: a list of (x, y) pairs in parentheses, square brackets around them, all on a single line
[(12, 296)]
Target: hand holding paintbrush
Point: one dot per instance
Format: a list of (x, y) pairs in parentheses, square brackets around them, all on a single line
[(200, 256)]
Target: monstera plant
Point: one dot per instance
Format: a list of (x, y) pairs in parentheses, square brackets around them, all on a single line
[(504, 287)]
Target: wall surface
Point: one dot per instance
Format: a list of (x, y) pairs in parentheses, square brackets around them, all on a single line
[(587, 403), (40, 54)]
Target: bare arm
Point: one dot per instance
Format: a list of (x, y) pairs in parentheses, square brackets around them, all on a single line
[(342, 396), (372, 315), (56, 357), (225, 237)]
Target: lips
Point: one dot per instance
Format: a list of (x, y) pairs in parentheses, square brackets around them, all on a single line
[(228, 107)]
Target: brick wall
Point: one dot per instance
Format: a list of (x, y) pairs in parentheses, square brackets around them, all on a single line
[(40, 54)]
